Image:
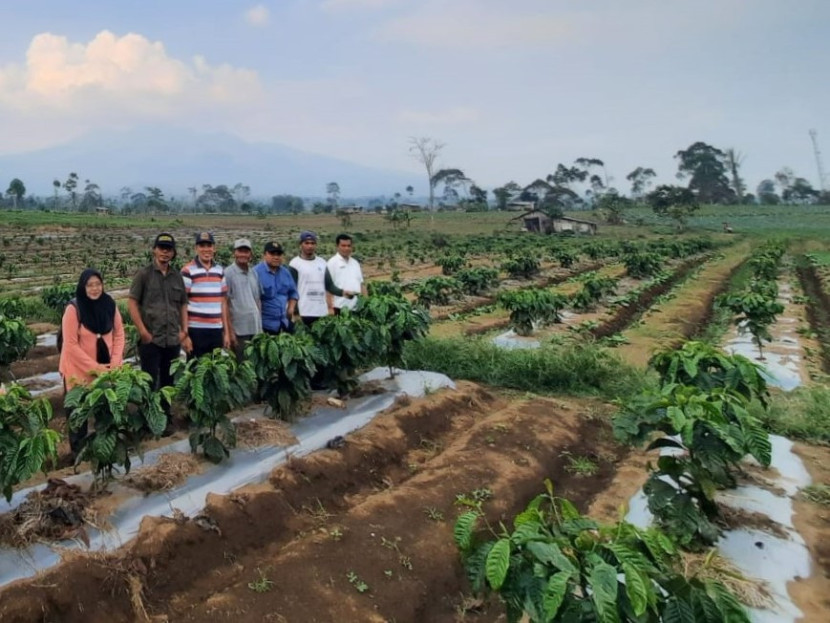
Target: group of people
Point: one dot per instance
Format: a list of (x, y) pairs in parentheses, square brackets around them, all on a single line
[(204, 306)]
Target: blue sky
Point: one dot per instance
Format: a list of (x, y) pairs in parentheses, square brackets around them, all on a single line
[(511, 88)]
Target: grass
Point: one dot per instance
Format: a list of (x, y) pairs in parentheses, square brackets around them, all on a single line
[(817, 494), (801, 414), (571, 369)]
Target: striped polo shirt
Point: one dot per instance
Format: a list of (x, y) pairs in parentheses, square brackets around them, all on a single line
[(206, 288)]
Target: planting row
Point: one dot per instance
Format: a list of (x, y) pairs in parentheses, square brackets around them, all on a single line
[(278, 370)]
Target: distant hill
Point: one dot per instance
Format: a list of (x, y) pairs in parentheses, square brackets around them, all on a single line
[(175, 159)]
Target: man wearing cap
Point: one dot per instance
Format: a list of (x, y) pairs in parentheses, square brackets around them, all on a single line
[(345, 272), (314, 283), (208, 324), (158, 307), (277, 290), (243, 297)]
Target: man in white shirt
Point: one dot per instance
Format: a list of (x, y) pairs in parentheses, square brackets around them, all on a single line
[(314, 283), (346, 273)]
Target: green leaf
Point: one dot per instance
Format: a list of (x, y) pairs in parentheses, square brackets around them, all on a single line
[(603, 578), (677, 611), (463, 531), (555, 593), (498, 563), (550, 553)]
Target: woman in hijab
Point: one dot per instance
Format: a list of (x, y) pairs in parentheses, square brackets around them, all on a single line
[(93, 338)]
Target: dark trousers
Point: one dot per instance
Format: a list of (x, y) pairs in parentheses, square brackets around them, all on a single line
[(241, 343), (156, 360), (204, 341), (308, 321)]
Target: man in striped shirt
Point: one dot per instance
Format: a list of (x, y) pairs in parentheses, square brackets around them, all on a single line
[(208, 321)]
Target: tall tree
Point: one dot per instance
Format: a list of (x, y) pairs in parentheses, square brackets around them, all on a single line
[(705, 168), (69, 186), (453, 181), (734, 159), (333, 191), (16, 191), (674, 202), (156, 201), (92, 196), (766, 193), (641, 179), (504, 194), (426, 149), (56, 185), (598, 184)]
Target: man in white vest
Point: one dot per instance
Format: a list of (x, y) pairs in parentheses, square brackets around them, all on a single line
[(314, 283), (346, 273)]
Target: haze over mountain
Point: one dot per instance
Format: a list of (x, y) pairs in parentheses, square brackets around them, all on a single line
[(174, 159)]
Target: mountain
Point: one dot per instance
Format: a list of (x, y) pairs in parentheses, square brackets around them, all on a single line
[(174, 159)]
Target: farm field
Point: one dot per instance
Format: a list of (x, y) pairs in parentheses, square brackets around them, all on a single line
[(364, 531)]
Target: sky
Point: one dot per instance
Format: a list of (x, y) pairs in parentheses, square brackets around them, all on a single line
[(510, 89)]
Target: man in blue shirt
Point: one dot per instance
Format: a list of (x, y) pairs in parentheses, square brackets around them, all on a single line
[(278, 292)]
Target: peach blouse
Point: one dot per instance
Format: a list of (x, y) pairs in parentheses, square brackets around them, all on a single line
[(78, 355)]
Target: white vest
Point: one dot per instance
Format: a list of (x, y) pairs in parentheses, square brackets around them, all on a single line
[(311, 286)]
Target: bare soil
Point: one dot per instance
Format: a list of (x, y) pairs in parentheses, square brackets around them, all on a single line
[(381, 509)]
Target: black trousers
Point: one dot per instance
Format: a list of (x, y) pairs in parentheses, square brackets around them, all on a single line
[(204, 341), (156, 360)]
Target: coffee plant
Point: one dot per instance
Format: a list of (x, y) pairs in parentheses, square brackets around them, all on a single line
[(123, 407), (394, 322), (521, 266), (27, 444), (346, 343), (754, 310), (532, 306), (436, 291), (451, 264), (700, 414), (210, 387), (284, 364), (558, 565), (57, 297), (477, 281), (642, 264), (15, 339)]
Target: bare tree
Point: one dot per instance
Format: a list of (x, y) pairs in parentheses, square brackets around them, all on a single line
[(733, 165), (426, 150)]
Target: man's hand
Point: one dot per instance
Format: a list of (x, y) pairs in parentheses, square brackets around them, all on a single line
[(146, 336)]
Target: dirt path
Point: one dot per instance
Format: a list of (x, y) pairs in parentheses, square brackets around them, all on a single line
[(685, 313)]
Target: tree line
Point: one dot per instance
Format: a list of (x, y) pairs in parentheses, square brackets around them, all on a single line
[(711, 176)]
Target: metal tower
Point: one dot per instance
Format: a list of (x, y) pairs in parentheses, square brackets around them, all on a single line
[(822, 178)]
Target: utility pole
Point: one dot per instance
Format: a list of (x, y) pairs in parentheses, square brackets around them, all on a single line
[(822, 178)]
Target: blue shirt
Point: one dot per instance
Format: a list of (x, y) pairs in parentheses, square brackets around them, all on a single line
[(275, 290)]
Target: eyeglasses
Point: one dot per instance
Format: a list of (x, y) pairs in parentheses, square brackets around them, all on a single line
[(94, 284)]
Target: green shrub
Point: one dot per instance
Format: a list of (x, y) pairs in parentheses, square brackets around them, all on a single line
[(27, 444), (284, 364), (558, 565), (532, 306), (210, 387), (122, 406)]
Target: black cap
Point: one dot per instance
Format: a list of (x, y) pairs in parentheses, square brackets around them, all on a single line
[(274, 247), (205, 236), (165, 240)]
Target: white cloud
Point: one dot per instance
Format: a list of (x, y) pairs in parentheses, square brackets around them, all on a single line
[(450, 116), (258, 15), (65, 88)]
